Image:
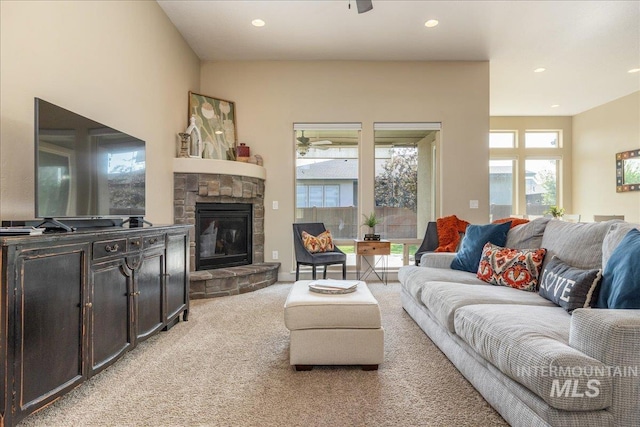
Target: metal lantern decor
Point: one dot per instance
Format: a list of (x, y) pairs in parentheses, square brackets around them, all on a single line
[(194, 139)]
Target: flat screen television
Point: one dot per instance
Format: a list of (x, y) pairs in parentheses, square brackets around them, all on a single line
[(84, 169)]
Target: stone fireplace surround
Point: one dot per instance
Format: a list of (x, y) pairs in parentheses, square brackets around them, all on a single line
[(193, 184)]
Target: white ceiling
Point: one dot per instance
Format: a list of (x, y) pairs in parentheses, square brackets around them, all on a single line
[(587, 47)]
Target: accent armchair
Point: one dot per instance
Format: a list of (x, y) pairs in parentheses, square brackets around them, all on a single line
[(429, 243), (304, 257)]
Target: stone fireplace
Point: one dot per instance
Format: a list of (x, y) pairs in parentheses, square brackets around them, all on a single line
[(237, 184)]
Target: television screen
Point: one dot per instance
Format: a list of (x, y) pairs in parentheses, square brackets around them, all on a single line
[(84, 168)]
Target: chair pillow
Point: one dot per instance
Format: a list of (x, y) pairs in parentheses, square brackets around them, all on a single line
[(621, 280), (468, 257), (518, 269), (323, 242), (567, 286)]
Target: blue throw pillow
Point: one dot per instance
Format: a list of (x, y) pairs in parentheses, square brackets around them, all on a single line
[(476, 236), (620, 286)]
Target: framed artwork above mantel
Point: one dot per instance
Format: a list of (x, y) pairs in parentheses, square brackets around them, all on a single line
[(628, 171), (216, 120)]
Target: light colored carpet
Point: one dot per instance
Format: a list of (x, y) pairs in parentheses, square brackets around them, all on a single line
[(229, 366)]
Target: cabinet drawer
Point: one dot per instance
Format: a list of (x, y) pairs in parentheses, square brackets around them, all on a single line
[(153, 241), (107, 248), (373, 248), (134, 243)]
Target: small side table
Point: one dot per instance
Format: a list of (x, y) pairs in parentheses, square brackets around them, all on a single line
[(367, 248)]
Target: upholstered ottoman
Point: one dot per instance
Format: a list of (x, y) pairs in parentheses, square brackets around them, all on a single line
[(340, 329)]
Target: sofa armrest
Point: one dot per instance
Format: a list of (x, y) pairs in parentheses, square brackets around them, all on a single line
[(607, 335), (437, 259), (613, 337)]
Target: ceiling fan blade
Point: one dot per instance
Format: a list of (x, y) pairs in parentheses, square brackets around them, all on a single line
[(322, 142), (364, 5)]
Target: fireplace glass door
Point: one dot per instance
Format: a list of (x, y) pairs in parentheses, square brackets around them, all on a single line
[(224, 233)]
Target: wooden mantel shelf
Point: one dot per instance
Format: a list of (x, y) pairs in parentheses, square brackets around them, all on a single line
[(224, 167)]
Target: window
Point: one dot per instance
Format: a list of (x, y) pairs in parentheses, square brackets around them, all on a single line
[(501, 187), (405, 184), (502, 140), (525, 179), (541, 183), (327, 176), (541, 139), (319, 196), (404, 181)]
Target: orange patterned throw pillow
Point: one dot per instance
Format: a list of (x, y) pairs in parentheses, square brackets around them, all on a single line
[(517, 268), (320, 243)]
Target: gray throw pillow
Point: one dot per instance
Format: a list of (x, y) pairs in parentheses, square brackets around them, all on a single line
[(569, 287), (577, 244), (527, 236)]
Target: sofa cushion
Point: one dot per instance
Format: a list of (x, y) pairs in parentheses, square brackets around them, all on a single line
[(437, 260), (413, 279), (621, 281), (577, 244), (530, 345), (517, 268), (527, 236), (468, 257), (444, 298), (614, 236), (569, 287)]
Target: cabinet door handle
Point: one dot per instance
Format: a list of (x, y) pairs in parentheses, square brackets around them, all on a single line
[(110, 248), (133, 294), (153, 241), (136, 243), (88, 305)]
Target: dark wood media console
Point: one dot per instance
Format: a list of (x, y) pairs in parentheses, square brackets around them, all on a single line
[(74, 303)]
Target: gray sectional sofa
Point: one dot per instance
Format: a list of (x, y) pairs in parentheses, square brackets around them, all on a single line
[(534, 362)]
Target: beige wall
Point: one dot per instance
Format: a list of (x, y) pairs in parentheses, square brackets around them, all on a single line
[(121, 63), (599, 134), (530, 123), (271, 96)]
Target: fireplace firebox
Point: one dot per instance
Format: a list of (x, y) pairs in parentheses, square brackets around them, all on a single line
[(223, 235)]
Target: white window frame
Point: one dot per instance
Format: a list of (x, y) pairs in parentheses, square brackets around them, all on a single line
[(520, 153)]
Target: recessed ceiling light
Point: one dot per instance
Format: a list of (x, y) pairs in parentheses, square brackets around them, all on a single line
[(431, 23), (257, 23), (555, 105), (539, 70), (634, 70)]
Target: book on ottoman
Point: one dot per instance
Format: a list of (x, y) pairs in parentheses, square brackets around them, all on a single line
[(328, 286)]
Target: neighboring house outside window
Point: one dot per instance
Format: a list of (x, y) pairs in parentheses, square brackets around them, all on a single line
[(327, 184)]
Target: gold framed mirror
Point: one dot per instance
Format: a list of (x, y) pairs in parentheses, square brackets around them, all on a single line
[(628, 171)]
